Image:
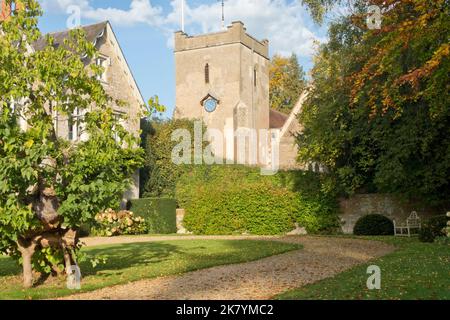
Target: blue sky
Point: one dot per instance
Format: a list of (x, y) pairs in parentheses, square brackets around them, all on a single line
[(145, 31)]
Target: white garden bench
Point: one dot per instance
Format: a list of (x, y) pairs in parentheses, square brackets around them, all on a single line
[(412, 223)]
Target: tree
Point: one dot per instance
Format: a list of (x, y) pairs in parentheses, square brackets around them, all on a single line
[(159, 173), (287, 81), (48, 186), (383, 95)]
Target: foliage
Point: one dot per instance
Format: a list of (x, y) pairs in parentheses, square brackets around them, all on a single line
[(159, 214), (159, 174), (384, 97), (237, 199), (433, 228), (72, 182), (144, 260), (448, 225), (111, 223), (415, 271), (287, 81), (373, 225), (316, 198)]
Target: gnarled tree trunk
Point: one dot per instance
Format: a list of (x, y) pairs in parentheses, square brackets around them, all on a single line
[(27, 249)]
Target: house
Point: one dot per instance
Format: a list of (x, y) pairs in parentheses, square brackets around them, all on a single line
[(117, 80)]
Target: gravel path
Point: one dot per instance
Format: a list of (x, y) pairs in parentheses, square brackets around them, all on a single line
[(262, 279)]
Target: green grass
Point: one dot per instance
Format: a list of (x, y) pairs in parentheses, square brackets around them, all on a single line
[(414, 271), (135, 261)]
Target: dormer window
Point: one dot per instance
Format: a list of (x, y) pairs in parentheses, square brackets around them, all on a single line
[(103, 62)]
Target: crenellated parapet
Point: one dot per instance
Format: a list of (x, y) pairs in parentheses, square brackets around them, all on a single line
[(235, 33)]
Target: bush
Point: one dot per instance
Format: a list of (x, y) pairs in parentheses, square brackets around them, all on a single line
[(373, 225), (318, 207), (159, 174), (237, 199), (433, 228), (159, 214), (255, 208), (111, 223)]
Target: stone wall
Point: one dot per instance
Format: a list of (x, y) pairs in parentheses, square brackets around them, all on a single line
[(362, 204)]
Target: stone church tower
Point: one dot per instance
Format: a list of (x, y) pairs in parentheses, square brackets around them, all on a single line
[(223, 79)]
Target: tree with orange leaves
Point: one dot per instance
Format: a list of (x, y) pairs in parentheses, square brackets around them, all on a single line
[(379, 115)]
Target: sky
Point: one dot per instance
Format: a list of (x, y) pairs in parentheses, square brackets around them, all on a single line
[(145, 31)]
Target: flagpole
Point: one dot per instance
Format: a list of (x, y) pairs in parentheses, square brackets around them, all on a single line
[(223, 14), (182, 15)]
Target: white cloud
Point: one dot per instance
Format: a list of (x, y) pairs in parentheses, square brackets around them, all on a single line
[(139, 11), (283, 22)]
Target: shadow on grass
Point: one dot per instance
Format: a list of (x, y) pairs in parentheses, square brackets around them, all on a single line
[(9, 267), (128, 255)]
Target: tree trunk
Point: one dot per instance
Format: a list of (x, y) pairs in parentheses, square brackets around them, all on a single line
[(27, 270), (27, 249)]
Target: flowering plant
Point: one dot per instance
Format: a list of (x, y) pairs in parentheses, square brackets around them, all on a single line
[(111, 223)]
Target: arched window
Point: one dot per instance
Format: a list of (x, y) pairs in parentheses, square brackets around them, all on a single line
[(207, 73)]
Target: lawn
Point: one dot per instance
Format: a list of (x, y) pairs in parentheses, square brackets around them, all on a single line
[(414, 271), (135, 261)]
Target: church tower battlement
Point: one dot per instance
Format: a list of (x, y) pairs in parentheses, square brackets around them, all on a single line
[(222, 78), (236, 33)]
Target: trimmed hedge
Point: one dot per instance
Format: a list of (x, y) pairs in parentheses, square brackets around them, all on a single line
[(221, 199), (159, 214), (373, 225)]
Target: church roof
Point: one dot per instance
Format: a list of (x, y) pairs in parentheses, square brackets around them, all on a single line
[(92, 31), (277, 119)]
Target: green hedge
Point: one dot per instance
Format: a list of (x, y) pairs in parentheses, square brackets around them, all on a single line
[(159, 214), (373, 225), (236, 199)]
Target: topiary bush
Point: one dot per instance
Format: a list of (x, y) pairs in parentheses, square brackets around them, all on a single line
[(373, 225), (433, 228)]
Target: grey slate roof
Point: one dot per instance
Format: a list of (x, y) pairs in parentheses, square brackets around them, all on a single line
[(92, 32)]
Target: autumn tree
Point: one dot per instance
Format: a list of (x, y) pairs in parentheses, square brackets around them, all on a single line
[(287, 81), (48, 186), (378, 115)]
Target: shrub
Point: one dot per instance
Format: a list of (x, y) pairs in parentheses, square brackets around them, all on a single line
[(317, 204), (433, 228), (159, 174), (111, 223), (255, 208), (159, 214), (373, 225), (237, 199)]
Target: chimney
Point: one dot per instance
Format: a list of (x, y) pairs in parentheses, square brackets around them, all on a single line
[(6, 10)]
